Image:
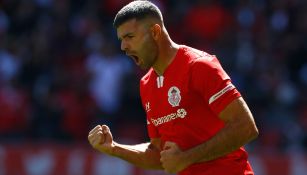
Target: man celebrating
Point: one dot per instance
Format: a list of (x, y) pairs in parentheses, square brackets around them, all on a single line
[(197, 120)]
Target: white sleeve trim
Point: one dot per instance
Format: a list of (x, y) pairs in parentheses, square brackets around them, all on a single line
[(221, 92)]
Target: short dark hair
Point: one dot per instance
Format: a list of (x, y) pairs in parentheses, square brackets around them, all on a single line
[(138, 9)]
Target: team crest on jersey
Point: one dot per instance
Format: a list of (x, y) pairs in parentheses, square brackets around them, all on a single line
[(174, 96)]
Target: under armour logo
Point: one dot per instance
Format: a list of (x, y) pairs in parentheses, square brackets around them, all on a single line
[(147, 107)]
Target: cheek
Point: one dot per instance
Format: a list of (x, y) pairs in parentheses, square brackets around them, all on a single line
[(151, 47), (150, 51)]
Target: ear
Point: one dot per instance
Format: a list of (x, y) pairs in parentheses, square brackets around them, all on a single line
[(156, 32)]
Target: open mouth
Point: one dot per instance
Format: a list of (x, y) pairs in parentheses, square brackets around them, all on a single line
[(135, 59)]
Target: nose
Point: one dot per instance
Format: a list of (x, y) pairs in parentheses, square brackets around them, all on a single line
[(124, 45)]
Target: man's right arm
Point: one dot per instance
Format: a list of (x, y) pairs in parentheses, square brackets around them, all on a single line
[(146, 155)]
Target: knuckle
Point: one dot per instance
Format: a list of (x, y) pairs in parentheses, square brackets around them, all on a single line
[(96, 127), (103, 126)]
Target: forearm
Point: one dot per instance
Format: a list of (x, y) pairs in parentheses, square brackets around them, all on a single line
[(225, 141), (142, 155), (239, 129), (229, 139)]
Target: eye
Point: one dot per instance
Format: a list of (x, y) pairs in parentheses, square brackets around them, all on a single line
[(128, 37)]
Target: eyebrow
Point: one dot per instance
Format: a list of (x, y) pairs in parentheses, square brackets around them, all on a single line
[(125, 35)]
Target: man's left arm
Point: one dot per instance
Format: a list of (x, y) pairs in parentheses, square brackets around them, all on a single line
[(240, 128)]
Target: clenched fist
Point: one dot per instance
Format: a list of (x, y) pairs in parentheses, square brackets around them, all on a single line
[(101, 139), (172, 158)]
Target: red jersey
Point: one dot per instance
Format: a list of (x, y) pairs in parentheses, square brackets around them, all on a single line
[(182, 106)]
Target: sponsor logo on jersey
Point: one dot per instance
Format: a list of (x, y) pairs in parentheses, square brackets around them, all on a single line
[(174, 96), (180, 113)]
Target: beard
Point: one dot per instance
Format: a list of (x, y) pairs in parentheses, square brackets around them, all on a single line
[(149, 55)]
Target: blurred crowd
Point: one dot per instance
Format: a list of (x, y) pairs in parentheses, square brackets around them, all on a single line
[(62, 71)]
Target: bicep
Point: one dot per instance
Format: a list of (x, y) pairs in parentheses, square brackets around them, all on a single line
[(237, 112)]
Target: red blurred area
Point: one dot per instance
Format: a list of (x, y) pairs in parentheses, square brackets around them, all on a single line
[(54, 159)]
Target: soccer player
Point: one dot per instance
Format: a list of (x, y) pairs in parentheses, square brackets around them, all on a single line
[(197, 120)]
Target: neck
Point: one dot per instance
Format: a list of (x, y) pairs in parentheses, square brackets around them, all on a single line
[(167, 52)]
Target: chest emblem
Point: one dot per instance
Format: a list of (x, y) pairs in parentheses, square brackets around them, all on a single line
[(174, 96)]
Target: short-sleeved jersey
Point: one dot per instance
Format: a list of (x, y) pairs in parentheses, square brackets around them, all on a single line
[(183, 105)]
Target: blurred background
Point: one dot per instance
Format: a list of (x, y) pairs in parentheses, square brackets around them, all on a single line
[(62, 73)]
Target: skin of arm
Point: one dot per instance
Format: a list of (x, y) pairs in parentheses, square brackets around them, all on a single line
[(239, 129), (145, 155)]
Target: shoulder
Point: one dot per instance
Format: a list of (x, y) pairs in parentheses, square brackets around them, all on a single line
[(206, 68), (198, 58), (206, 62)]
